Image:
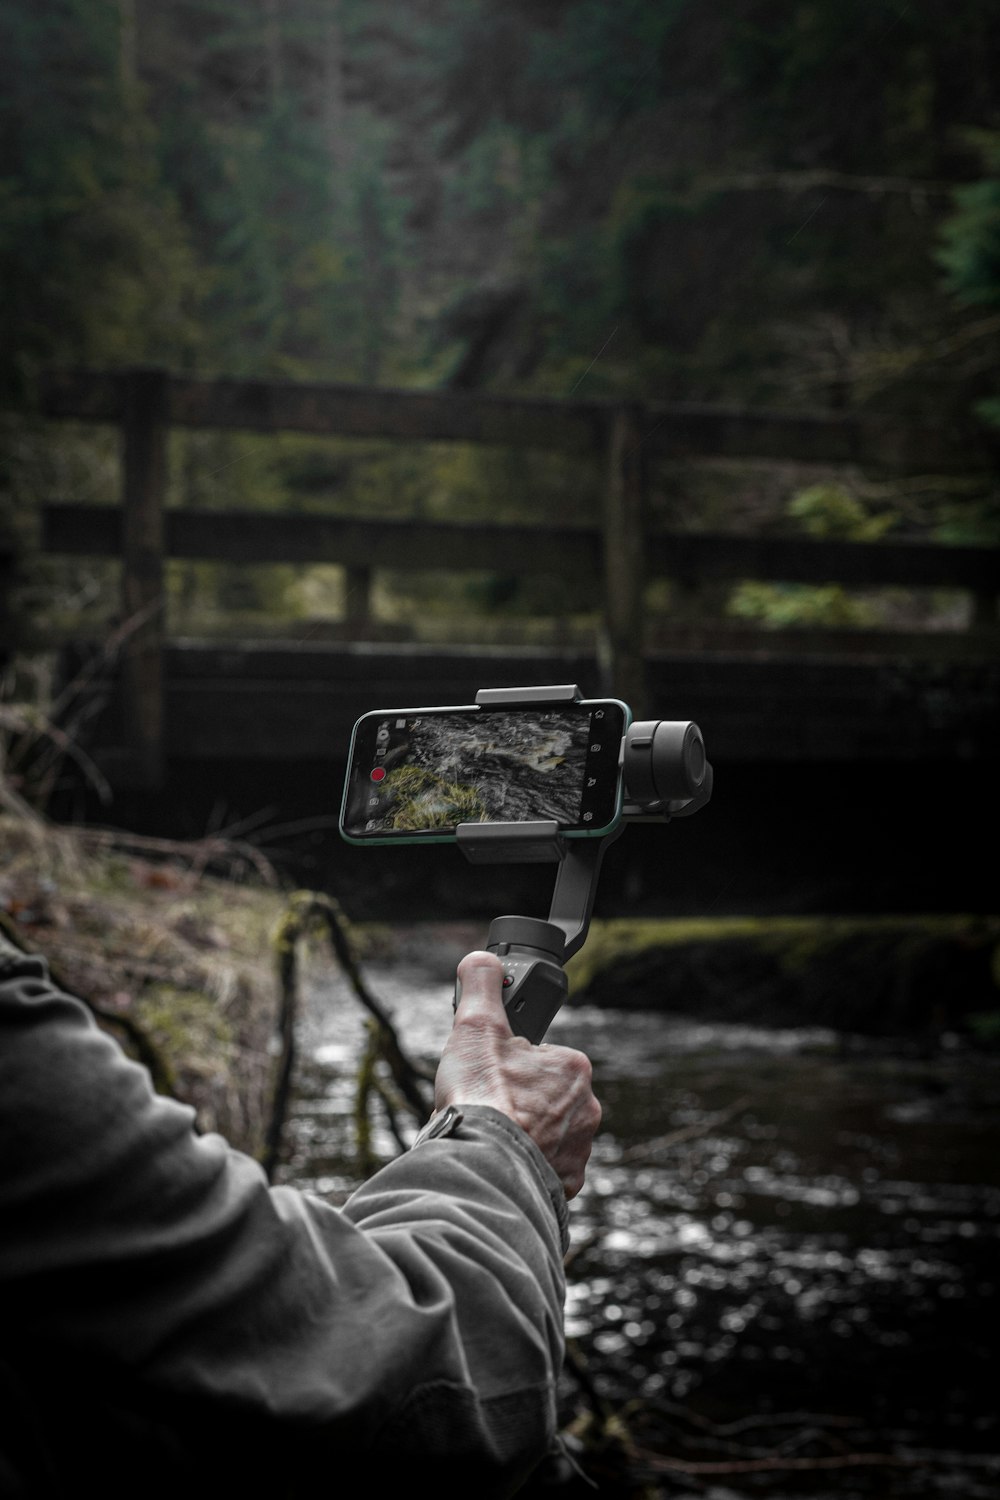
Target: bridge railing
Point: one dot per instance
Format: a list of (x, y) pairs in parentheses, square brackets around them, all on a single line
[(620, 552)]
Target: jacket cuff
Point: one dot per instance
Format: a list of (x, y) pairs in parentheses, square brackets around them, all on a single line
[(483, 1118)]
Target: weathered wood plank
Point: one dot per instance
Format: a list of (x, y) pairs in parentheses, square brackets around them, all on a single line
[(415, 416), (86, 395), (686, 430), (717, 651), (255, 704), (403, 674), (260, 536), (675, 430), (694, 556), (339, 410), (279, 721)]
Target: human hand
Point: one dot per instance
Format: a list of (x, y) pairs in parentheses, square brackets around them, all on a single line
[(545, 1089)]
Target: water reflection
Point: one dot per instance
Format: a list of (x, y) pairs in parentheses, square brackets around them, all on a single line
[(774, 1222)]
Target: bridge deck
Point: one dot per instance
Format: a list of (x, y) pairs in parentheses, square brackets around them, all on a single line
[(856, 700)]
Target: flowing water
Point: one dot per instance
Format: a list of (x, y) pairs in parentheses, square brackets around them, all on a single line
[(785, 1260)]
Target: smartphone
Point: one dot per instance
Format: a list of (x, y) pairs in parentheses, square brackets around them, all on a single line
[(415, 774)]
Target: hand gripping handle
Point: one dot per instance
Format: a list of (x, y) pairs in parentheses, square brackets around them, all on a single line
[(534, 981)]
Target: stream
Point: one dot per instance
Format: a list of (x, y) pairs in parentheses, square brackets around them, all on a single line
[(784, 1263)]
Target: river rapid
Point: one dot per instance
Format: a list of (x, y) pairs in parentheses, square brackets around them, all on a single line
[(784, 1265)]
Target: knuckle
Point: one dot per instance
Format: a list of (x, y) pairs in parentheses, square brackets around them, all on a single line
[(583, 1066), (481, 1022)]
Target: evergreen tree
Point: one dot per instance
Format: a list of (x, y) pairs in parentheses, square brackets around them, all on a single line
[(94, 261)]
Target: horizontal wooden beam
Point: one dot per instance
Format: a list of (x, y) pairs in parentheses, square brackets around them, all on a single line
[(271, 704), (339, 410), (671, 430), (267, 536), (688, 431), (695, 556)]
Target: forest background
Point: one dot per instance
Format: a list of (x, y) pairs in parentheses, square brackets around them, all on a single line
[(771, 203)]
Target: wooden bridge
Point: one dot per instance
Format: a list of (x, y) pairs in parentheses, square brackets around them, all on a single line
[(762, 697)]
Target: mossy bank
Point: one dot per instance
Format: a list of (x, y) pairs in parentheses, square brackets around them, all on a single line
[(879, 976)]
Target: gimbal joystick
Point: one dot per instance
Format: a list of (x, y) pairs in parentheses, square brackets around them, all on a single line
[(666, 774)]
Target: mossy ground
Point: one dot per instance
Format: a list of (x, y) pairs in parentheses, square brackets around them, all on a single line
[(156, 942)]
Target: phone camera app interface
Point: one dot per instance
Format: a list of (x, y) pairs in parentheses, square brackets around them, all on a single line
[(429, 772)]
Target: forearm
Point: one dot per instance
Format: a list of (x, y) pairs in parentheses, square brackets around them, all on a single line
[(424, 1320), (495, 1254)]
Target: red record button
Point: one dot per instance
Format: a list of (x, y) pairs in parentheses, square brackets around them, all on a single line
[(378, 774)]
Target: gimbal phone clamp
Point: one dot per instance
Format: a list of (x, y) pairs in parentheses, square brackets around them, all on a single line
[(666, 775)]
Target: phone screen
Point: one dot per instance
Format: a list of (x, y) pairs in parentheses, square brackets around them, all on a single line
[(417, 774)]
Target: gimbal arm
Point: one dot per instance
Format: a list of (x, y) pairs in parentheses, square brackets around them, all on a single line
[(666, 775)]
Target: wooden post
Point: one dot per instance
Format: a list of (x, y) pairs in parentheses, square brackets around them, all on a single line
[(358, 596), (624, 571), (144, 468)]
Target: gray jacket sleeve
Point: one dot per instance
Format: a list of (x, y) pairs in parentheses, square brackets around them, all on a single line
[(423, 1321)]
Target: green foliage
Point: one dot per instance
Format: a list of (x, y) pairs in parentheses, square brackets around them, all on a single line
[(535, 106), (785, 606), (302, 190), (969, 250), (93, 256), (822, 510), (970, 237), (829, 510)]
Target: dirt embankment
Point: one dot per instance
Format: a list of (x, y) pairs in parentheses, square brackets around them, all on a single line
[(178, 962)]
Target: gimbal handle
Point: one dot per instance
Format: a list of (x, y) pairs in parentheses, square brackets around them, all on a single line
[(666, 775)]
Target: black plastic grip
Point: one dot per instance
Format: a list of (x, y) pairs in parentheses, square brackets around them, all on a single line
[(534, 989)]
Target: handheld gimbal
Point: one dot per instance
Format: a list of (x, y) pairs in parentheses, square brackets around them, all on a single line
[(666, 775)]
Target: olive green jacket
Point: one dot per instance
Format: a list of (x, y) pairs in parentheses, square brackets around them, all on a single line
[(169, 1322)]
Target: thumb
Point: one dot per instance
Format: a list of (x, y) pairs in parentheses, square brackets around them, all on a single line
[(479, 991)]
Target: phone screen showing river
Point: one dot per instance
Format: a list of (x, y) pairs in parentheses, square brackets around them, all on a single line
[(423, 772)]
